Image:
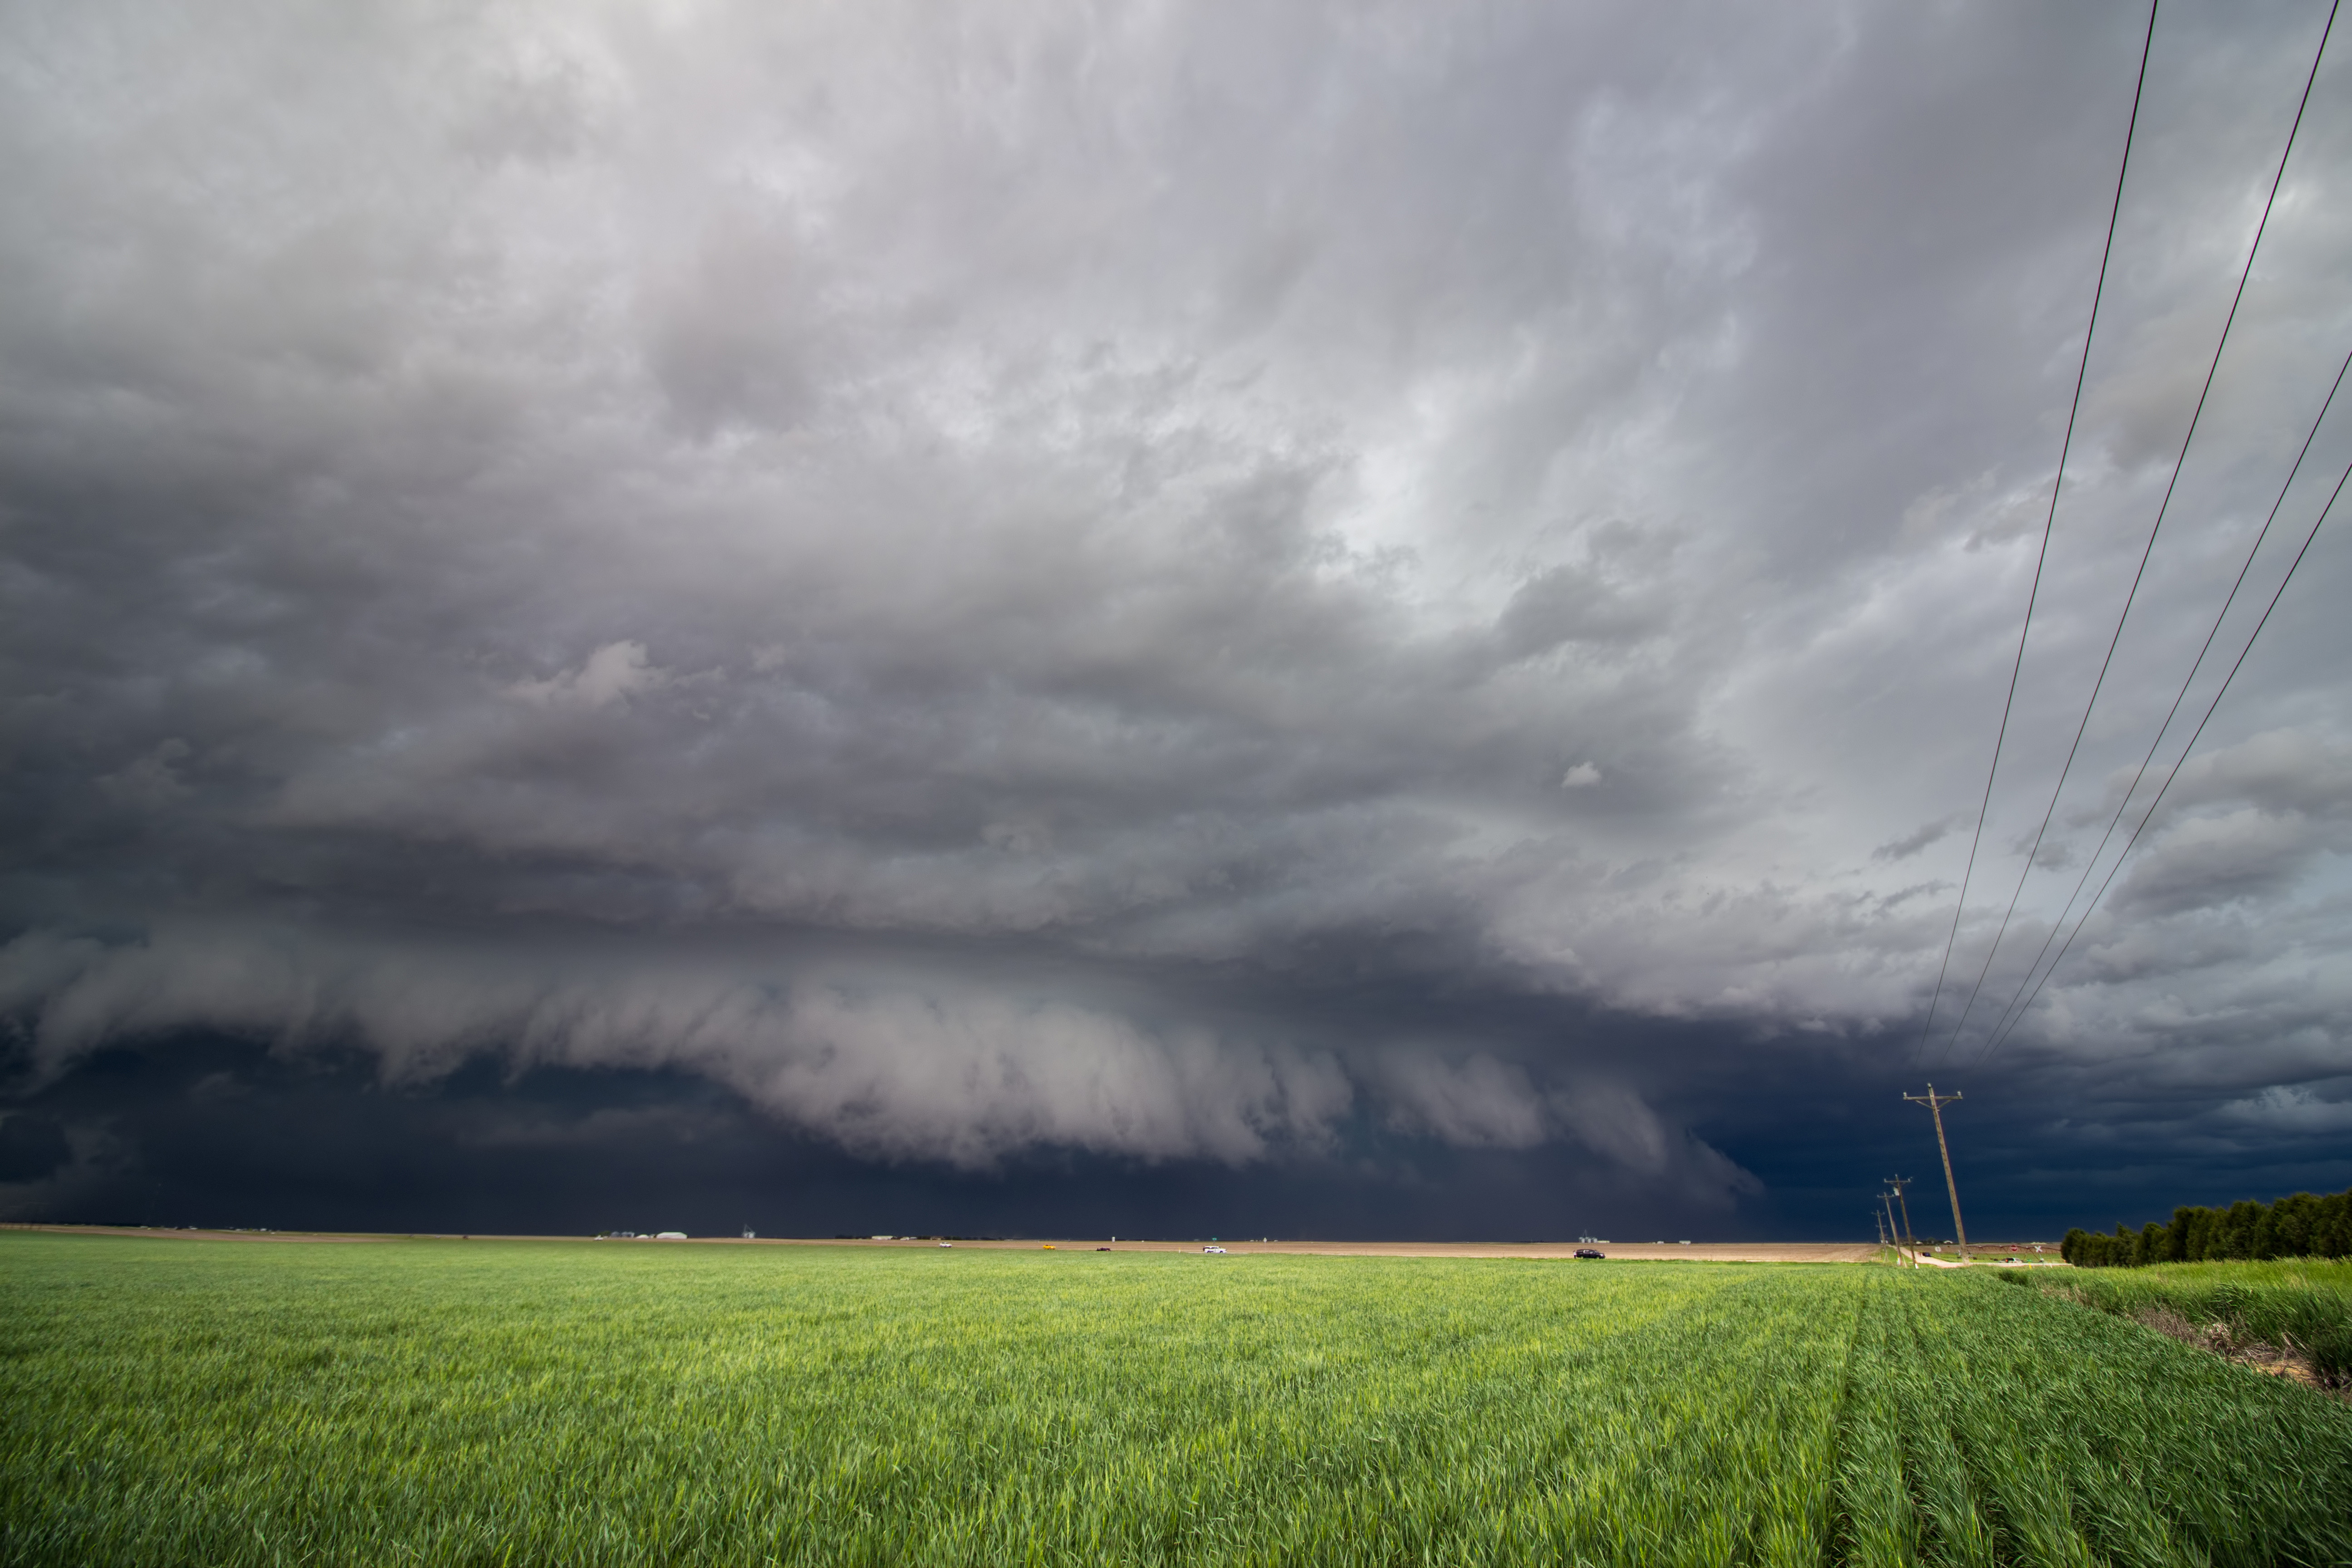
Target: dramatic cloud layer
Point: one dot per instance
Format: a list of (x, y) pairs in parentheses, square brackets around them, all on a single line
[(1180, 584)]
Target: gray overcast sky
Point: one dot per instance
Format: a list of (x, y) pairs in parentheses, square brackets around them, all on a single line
[(1285, 594)]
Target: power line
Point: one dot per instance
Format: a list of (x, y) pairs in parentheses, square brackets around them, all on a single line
[(2213, 632), (1996, 1041), (2098, 292), (2147, 550)]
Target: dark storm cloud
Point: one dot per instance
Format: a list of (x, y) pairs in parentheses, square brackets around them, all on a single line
[(1179, 585), (207, 1130)]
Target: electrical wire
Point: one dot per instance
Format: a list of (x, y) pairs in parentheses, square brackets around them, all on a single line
[(2098, 293), (1993, 1044), (2147, 550), (2179, 697)]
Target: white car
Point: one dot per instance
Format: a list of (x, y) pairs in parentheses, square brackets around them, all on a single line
[(1213, 1249)]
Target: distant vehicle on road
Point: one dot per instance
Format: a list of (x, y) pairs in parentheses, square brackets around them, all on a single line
[(1213, 1249), (1589, 1252)]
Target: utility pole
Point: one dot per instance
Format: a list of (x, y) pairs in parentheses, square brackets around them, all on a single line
[(1935, 1103), (1895, 1185), (1876, 1213)]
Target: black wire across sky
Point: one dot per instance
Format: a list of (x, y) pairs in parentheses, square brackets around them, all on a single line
[(2050, 516), (2013, 1012)]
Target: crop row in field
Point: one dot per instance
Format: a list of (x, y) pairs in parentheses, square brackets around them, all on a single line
[(189, 1401)]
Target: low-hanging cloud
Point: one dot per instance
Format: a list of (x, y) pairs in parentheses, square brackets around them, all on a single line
[(958, 1075), (883, 1065)]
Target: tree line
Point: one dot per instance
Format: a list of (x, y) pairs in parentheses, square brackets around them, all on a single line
[(2298, 1226)]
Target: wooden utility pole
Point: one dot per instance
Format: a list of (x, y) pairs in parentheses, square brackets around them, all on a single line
[(1894, 1185), (1878, 1213), (1935, 1103)]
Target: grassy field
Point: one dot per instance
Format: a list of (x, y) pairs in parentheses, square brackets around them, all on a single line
[(2303, 1303), (450, 1402)]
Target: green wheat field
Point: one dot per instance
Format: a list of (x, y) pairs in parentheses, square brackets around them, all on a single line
[(175, 1401)]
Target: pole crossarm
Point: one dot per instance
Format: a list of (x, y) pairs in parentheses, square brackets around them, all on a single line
[(1935, 1103)]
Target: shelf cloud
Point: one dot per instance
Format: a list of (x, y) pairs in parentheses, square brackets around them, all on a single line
[(1253, 587)]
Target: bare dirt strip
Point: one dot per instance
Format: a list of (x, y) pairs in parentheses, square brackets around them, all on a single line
[(1700, 1252), (157, 1234), (1670, 1251)]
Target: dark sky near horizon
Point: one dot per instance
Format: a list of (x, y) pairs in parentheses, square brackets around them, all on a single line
[(1206, 619)]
